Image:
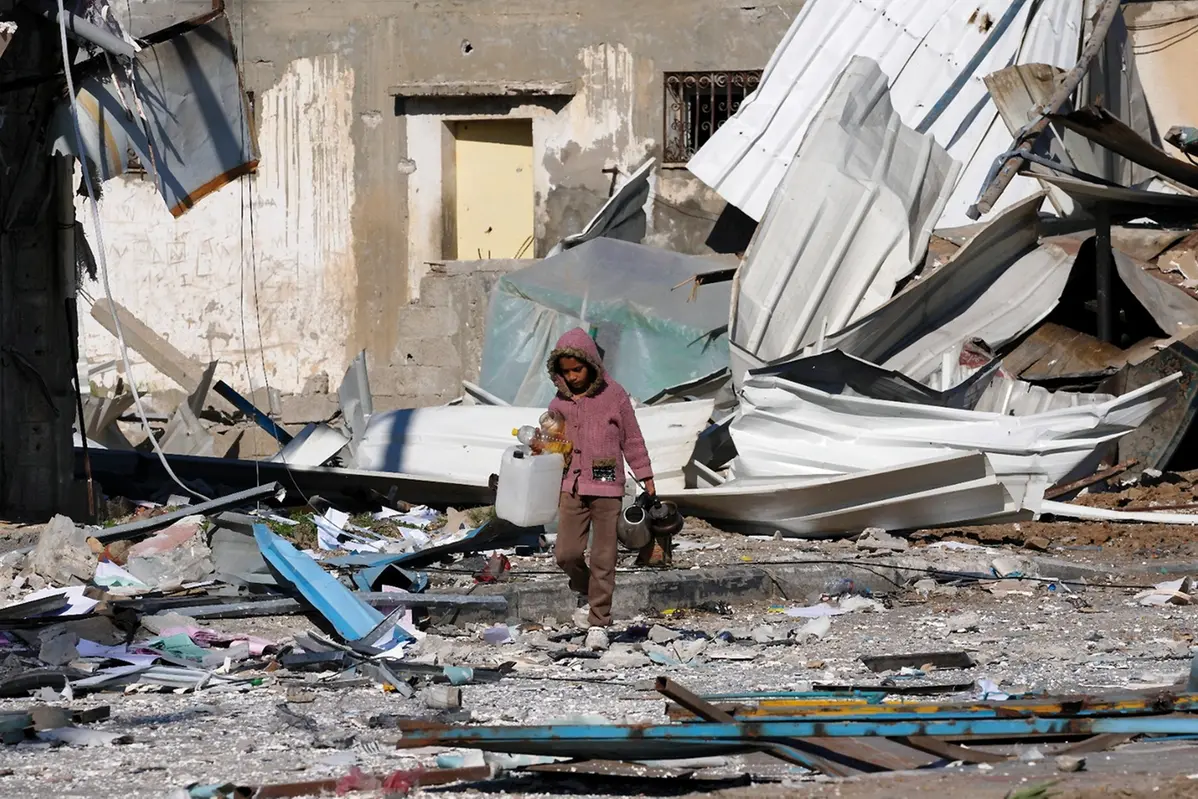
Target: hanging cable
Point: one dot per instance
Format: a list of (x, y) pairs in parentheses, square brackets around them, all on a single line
[(252, 186), (102, 257)]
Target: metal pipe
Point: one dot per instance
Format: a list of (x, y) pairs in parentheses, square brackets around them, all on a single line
[(80, 28), (1026, 139), (1104, 278)]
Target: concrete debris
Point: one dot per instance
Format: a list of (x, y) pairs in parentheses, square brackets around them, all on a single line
[(1172, 592), (875, 539), (866, 383), (964, 622), (62, 555), (1069, 763)]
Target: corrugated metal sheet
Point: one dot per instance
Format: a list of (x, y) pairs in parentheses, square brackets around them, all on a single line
[(196, 136), (850, 220), (958, 488), (788, 430), (998, 287), (922, 46), (465, 443)]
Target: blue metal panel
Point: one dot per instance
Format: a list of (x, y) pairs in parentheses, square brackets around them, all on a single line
[(352, 618), (672, 741)]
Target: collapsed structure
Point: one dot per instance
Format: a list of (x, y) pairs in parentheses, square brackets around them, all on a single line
[(876, 359)]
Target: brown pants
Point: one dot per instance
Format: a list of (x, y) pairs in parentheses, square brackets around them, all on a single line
[(598, 581)]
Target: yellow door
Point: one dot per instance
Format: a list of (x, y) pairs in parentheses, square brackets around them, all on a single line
[(494, 202)]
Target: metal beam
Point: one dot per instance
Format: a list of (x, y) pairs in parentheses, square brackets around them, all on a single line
[(1006, 171), (568, 737), (122, 532)]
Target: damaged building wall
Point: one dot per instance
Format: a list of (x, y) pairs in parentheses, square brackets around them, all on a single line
[(192, 279), (1167, 58), (357, 109)]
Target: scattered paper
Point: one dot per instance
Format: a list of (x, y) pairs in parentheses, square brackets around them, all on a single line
[(988, 689), (91, 649), (110, 575), (79, 736), (1173, 592), (77, 603)]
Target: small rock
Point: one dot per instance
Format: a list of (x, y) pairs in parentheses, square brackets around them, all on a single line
[(1093, 635), (1070, 764), (964, 622), (1037, 543), (663, 635), (1031, 755), (926, 585), (299, 696)]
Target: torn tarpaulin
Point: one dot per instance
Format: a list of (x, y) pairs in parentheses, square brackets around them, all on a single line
[(195, 134)]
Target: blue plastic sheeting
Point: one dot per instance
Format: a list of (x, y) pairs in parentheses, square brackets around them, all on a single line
[(352, 618), (682, 741), (655, 336)]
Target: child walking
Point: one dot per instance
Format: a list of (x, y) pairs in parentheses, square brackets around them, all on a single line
[(602, 425)]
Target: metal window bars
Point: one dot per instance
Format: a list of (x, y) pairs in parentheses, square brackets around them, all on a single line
[(697, 104)]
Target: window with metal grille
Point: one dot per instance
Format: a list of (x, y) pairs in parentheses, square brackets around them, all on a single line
[(696, 104)]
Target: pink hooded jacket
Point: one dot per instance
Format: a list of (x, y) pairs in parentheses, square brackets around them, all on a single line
[(601, 423)]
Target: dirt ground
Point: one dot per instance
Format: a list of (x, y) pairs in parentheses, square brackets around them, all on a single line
[(1024, 638)]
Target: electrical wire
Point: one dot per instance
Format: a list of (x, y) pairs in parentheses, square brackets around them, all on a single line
[(102, 257), (247, 180)]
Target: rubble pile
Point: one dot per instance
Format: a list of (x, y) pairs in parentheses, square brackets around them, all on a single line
[(964, 316)]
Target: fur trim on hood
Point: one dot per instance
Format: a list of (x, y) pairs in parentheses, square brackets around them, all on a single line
[(577, 343)]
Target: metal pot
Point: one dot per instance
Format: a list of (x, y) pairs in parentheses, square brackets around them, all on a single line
[(633, 528), (664, 519)]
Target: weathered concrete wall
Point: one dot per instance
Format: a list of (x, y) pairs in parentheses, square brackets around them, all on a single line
[(1166, 59), (349, 201), (441, 337)]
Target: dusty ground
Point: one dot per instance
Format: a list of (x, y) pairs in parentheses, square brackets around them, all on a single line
[(1030, 640)]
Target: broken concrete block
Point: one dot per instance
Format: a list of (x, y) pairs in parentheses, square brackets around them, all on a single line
[(689, 650), (173, 537), (1172, 592), (171, 560), (442, 697), (49, 717), (875, 539), (816, 628), (663, 635), (59, 650), (764, 634), (62, 555), (1007, 567), (622, 657)]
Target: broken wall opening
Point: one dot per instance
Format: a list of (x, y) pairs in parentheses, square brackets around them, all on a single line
[(453, 140)]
